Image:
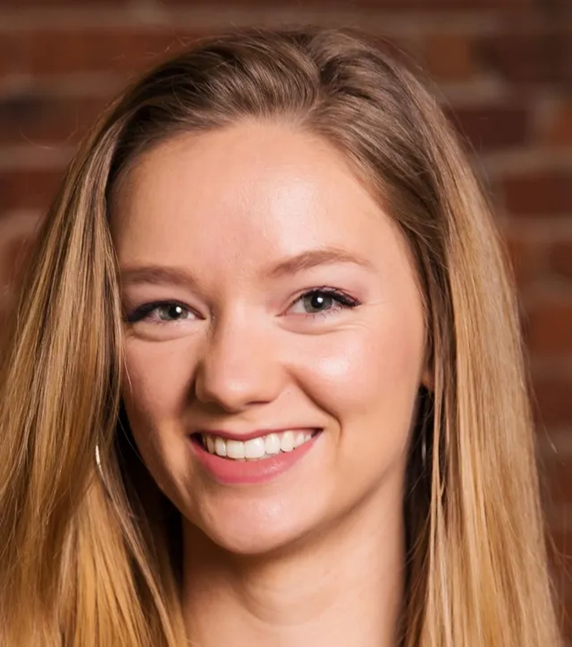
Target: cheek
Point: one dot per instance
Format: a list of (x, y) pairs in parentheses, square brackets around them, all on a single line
[(157, 380), (155, 393), (369, 375)]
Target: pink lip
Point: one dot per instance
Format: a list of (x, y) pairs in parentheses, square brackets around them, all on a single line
[(233, 472)]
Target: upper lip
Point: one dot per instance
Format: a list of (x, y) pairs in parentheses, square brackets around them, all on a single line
[(230, 435)]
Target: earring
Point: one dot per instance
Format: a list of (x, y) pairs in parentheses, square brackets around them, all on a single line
[(98, 463), (100, 470)]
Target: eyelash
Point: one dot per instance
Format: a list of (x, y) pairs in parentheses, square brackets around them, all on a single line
[(345, 302)]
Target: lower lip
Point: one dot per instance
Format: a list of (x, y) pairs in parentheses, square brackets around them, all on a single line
[(236, 472)]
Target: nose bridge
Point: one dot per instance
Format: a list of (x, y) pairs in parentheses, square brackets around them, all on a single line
[(237, 366)]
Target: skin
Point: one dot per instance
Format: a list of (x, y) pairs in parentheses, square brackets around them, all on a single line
[(314, 556)]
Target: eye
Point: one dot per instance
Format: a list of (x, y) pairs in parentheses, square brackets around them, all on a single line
[(323, 301), (160, 312)]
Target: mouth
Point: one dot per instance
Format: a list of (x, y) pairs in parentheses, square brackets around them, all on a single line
[(255, 449)]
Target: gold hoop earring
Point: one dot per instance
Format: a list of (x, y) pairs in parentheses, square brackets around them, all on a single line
[(99, 467), (97, 457)]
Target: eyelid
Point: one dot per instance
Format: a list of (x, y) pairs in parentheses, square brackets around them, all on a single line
[(142, 312), (345, 301)]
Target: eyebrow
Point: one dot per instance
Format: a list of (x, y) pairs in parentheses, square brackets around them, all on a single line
[(166, 275), (156, 275), (314, 257)]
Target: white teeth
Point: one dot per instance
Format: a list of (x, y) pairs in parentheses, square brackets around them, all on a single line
[(272, 444), (287, 441), (299, 439), (256, 448), (235, 449), (220, 446)]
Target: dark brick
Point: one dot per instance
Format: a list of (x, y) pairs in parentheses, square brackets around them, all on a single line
[(520, 57), (401, 5), (492, 127), (448, 56), (91, 50), (44, 120), (538, 194), (553, 400), (560, 258), (550, 328), (30, 189)]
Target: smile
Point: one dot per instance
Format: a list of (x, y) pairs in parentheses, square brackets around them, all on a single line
[(255, 449), (255, 460)]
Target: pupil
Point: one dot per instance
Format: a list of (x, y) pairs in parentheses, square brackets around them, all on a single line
[(173, 312), (317, 301)]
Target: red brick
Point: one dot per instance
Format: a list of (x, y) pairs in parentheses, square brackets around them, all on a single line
[(45, 120), (429, 5), (559, 480), (523, 255), (553, 400), (560, 543), (30, 189), (550, 328), (16, 234), (448, 57), (560, 258), (565, 611), (10, 54), (559, 132), (14, 256), (538, 194), (492, 127), (563, 591), (560, 552), (520, 57), (565, 56), (88, 50), (60, 3)]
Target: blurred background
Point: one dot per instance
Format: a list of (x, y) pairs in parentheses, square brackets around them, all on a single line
[(503, 69)]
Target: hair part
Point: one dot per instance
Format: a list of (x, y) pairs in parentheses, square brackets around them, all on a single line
[(84, 564)]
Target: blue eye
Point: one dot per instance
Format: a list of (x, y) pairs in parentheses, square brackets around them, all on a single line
[(322, 301), (162, 311)]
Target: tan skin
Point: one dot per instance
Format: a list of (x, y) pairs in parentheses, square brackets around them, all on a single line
[(315, 555)]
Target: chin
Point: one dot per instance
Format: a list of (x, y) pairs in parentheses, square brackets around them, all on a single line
[(255, 530)]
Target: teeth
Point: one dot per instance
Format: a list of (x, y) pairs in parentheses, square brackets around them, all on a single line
[(272, 444), (234, 449), (287, 441), (219, 447), (256, 448), (299, 439)]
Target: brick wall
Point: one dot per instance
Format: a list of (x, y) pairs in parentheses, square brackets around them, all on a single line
[(504, 67)]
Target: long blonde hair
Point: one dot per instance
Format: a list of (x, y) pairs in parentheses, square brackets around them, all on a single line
[(90, 561)]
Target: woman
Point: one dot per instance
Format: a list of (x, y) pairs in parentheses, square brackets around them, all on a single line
[(264, 385)]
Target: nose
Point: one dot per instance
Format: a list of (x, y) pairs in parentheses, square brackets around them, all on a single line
[(239, 366)]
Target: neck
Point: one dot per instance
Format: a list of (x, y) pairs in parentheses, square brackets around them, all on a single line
[(343, 588)]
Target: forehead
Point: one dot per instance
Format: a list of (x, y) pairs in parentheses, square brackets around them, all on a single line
[(248, 193)]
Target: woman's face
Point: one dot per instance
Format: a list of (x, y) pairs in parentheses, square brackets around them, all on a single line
[(269, 299)]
